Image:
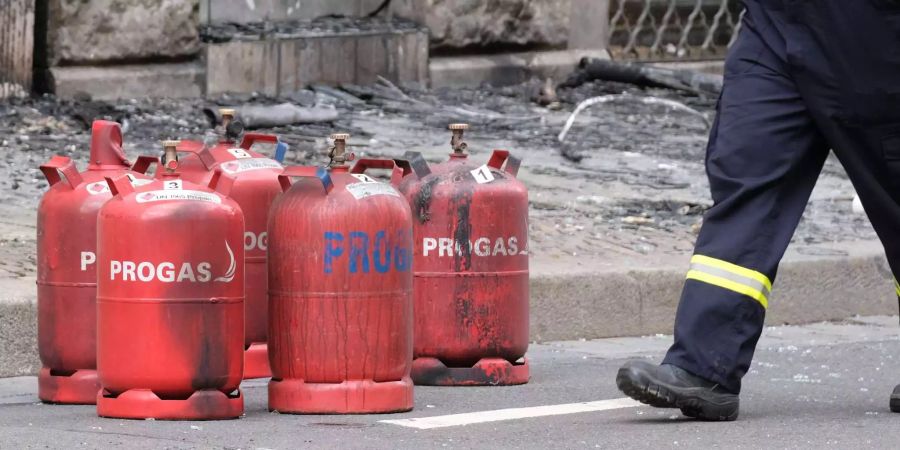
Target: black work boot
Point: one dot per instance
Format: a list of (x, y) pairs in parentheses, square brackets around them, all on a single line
[(668, 386), (895, 399)]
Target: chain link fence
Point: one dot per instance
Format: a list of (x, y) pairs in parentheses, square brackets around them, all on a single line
[(666, 30)]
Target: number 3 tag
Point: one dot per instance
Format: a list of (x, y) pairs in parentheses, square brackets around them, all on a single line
[(482, 175), (239, 153), (172, 185)]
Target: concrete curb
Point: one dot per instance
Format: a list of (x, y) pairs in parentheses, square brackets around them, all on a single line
[(643, 302), (591, 305)]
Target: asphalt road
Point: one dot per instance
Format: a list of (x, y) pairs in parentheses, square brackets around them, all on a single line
[(821, 385)]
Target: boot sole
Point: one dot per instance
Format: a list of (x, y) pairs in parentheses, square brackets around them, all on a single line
[(895, 404), (693, 402)]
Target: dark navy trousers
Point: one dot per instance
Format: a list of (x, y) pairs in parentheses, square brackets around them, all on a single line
[(803, 77)]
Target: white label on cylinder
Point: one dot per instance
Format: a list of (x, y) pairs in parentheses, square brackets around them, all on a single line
[(246, 165), (97, 187), (157, 196), (363, 190)]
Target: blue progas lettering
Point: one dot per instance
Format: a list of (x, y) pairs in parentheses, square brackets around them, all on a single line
[(385, 254), (359, 247), (332, 250), (402, 259), (381, 248)]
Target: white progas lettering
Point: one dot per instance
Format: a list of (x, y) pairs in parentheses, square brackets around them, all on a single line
[(115, 267), (203, 271), (499, 248), (87, 258), (256, 242), (168, 272), (459, 248), (482, 247), (165, 272), (186, 273), (128, 270), (263, 241), (145, 271), (513, 246), (445, 245), (428, 244)]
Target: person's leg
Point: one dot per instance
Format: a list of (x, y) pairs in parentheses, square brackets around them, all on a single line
[(763, 159), (850, 60)]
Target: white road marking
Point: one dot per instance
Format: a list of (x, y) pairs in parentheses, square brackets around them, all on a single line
[(453, 420)]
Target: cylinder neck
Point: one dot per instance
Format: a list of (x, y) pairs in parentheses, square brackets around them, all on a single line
[(170, 157), (338, 153), (106, 146), (456, 139), (338, 156), (231, 128)]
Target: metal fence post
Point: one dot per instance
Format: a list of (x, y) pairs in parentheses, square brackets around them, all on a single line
[(589, 24)]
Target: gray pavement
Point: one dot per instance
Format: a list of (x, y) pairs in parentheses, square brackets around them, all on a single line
[(824, 384)]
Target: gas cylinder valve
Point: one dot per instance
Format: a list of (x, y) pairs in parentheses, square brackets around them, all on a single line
[(233, 128), (456, 142), (337, 152), (170, 155)]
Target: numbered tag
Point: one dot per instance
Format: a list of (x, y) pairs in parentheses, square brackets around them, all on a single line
[(136, 182), (363, 178), (483, 175), (172, 185), (239, 153)]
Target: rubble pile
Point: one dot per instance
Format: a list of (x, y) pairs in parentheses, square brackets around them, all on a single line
[(627, 180)]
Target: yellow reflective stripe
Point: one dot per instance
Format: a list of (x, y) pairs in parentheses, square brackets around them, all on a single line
[(897, 287), (730, 285), (733, 268)]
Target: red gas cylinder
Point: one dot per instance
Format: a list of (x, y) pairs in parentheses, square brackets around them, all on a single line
[(170, 299), (340, 303), (471, 269), (66, 265), (255, 187)]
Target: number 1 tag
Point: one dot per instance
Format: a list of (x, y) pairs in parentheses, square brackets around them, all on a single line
[(363, 178), (482, 174)]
